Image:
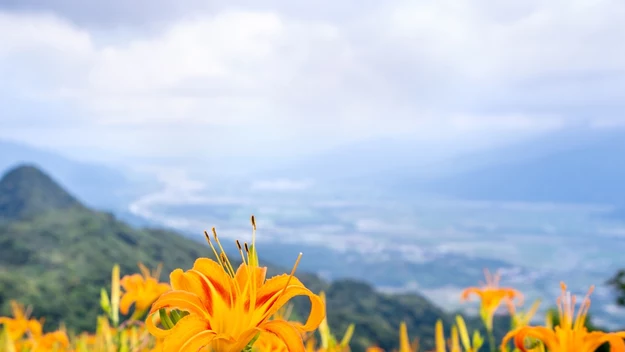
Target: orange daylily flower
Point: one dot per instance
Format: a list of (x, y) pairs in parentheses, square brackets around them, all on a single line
[(571, 335), (227, 309), (142, 290), (491, 296), (374, 349), (20, 324), (49, 342), (88, 339)]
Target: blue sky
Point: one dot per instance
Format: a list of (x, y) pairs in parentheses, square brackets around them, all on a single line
[(174, 78)]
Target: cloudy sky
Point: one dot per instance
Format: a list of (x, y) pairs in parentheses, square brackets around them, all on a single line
[(174, 77)]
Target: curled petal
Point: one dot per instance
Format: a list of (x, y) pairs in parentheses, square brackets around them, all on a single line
[(182, 300), (190, 334), (547, 336), (597, 338), (127, 300), (291, 336), (470, 291), (507, 337), (150, 324), (275, 294)]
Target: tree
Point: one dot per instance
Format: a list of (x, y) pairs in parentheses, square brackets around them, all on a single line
[(618, 283)]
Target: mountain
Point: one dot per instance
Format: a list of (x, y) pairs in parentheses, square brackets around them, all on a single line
[(568, 167), (56, 255), (97, 185), (574, 164), (26, 191)]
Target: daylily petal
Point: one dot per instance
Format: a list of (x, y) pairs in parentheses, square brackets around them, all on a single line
[(286, 332), (247, 275), (17, 310), (507, 337), (593, 340), (131, 282), (547, 336), (35, 327), (226, 343), (179, 281), (163, 287), (190, 334), (181, 300), (127, 300), (273, 299), (150, 324), (220, 281), (470, 291), (144, 270)]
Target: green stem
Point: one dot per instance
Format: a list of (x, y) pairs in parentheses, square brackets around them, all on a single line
[(491, 341)]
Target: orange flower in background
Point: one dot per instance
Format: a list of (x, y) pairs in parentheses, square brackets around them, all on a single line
[(227, 308), (374, 349), (20, 324), (52, 341), (142, 290), (571, 334), (491, 296)]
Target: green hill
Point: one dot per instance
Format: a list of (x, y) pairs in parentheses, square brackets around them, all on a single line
[(56, 254), (26, 191)]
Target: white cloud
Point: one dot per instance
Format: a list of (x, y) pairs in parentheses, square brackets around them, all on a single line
[(510, 40), (282, 185), (432, 70), (42, 33)]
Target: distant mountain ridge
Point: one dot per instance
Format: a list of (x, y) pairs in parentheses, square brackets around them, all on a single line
[(100, 186), (568, 167), (580, 164), (592, 172)]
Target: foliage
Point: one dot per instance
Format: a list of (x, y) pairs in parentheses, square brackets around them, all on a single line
[(618, 283)]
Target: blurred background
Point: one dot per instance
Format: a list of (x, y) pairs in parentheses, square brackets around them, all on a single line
[(408, 144)]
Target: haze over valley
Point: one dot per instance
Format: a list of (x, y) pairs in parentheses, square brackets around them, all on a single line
[(410, 239)]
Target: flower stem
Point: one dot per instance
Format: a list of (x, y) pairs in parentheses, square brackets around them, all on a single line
[(491, 341)]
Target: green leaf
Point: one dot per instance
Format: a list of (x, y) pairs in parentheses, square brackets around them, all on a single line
[(105, 302)]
